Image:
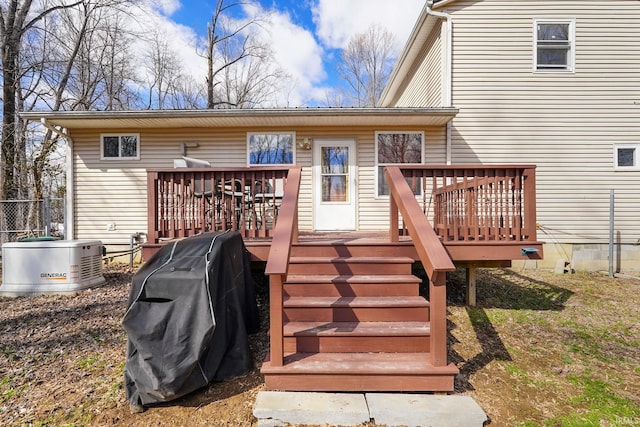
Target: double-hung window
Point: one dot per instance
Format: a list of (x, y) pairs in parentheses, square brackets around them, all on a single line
[(397, 148), (554, 48), (120, 146), (271, 148)]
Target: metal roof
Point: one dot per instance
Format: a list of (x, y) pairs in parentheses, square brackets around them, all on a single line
[(262, 118)]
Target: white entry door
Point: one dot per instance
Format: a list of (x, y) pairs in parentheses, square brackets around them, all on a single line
[(334, 180)]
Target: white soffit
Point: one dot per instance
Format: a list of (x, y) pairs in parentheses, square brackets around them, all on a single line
[(265, 118)]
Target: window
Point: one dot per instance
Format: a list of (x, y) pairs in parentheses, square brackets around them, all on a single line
[(271, 148), (554, 45), (118, 147), (397, 148), (626, 156)]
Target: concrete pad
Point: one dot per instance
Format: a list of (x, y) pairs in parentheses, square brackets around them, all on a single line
[(425, 410), (278, 408)]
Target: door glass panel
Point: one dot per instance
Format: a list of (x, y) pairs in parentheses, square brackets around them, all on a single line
[(335, 169)]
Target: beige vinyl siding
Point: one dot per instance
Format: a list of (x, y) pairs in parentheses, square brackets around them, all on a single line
[(305, 197), (564, 122), (374, 211), (114, 192), (107, 192), (424, 83)]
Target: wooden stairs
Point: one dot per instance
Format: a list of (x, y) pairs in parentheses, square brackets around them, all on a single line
[(354, 320)]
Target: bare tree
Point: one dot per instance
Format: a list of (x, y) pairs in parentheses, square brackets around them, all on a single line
[(229, 45), (167, 83), (116, 66), (162, 68), (366, 65), (84, 64), (187, 94), (249, 83), (16, 19)]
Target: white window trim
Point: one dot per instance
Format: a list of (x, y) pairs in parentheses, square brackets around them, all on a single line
[(119, 158), (377, 165), (571, 65), (293, 142), (636, 165)]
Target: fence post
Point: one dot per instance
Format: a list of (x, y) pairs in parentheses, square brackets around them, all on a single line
[(46, 207), (64, 218), (612, 203)]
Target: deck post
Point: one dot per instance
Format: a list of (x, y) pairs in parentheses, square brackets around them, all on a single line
[(152, 207), (471, 286), (295, 233), (394, 222), (530, 225), (276, 335), (438, 320)]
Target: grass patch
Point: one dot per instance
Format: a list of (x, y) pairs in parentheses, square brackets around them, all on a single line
[(87, 362), (548, 349), (515, 371), (599, 406), (8, 391), (9, 354)]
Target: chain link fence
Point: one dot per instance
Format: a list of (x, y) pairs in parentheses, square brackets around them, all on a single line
[(21, 219)]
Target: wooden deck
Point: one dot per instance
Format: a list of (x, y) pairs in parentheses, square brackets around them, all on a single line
[(345, 311), (483, 215)]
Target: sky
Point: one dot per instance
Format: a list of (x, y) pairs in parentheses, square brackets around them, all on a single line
[(306, 36)]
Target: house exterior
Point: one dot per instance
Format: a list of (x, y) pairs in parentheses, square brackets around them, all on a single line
[(346, 313), (550, 83), (109, 154)]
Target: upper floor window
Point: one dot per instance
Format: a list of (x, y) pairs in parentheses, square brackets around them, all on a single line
[(271, 148), (397, 148), (120, 147), (626, 156), (554, 45)]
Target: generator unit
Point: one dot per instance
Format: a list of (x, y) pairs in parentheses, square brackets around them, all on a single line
[(56, 266)]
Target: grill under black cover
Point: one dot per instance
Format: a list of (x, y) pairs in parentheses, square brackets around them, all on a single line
[(190, 310)]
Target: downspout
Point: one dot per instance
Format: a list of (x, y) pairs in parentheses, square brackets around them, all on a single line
[(447, 70), (69, 200)]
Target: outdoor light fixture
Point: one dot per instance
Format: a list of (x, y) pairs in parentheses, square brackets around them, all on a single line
[(305, 144)]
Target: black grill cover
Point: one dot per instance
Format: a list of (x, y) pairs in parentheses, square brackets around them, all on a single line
[(190, 310)]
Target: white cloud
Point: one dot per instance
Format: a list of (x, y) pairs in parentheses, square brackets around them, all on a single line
[(155, 15), (165, 7), (297, 52), (338, 20), (305, 56)]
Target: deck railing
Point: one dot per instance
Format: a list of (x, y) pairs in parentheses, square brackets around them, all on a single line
[(186, 201), (472, 203), (431, 252)]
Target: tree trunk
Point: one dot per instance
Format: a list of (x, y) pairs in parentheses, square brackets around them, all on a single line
[(9, 189)]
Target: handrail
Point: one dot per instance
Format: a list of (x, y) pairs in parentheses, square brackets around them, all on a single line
[(286, 229), (432, 253), (284, 235)]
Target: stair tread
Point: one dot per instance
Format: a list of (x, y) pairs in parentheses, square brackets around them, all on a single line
[(355, 278), (375, 301), (358, 364), (356, 328), (351, 260)]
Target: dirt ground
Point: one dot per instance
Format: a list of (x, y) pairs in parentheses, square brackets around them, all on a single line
[(530, 353)]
